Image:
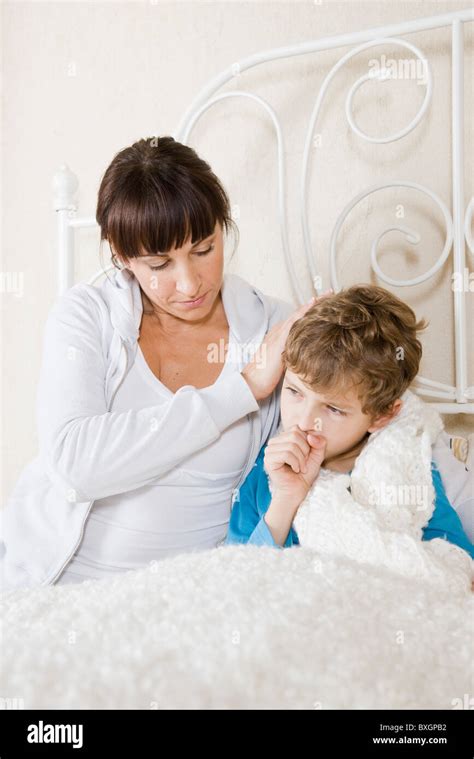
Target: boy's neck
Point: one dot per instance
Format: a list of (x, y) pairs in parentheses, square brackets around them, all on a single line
[(345, 461)]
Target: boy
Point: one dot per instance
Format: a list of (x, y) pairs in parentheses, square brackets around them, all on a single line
[(348, 362)]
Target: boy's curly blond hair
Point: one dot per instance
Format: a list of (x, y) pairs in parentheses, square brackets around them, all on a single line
[(363, 338)]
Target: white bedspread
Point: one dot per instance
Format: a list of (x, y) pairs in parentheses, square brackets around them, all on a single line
[(241, 627)]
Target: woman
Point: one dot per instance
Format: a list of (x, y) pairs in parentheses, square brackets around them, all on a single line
[(146, 426)]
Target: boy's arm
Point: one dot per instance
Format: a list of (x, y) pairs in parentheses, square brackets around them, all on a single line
[(247, 520), (279, 518), (457, 479), (445, 522)]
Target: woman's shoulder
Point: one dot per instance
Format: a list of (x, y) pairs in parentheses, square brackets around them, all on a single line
[(280, 309), (81, 309), (80, 298), (98, 312), (251, 299)]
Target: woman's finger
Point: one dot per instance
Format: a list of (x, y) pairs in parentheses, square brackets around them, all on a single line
[(301, 310), (315, 299)]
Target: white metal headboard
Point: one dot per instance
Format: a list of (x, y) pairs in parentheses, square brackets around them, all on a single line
[(448, 399)]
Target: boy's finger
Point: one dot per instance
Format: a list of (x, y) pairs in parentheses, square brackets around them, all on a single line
[(316, 441), (283, 449)]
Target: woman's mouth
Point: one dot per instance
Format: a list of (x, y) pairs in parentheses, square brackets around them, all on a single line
[(193, 303)]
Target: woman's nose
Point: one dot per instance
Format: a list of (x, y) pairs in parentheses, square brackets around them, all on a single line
[(188, 284)]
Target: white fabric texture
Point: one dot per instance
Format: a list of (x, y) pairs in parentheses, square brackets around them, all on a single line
[(88, 452), (185, 509), (458, 480), (241, 627), (368, 618), (379, 520)]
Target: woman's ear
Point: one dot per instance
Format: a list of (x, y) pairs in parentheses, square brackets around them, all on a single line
[(380, 422), (119, 262)]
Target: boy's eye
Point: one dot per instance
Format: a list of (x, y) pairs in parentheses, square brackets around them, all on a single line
[(337, 410), (292, 390), (197, 252)]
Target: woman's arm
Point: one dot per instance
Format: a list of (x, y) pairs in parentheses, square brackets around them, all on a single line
[(92, 453)]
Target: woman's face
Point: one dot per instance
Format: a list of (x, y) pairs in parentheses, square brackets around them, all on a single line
[(173, 280)]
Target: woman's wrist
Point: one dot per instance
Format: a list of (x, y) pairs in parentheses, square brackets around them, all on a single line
[(257, 392)]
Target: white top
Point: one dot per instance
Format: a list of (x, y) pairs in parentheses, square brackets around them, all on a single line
[(89, 451), (187, 508)]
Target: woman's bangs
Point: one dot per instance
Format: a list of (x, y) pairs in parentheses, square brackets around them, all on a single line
[(156, 224)]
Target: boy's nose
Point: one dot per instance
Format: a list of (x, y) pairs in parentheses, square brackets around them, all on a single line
[(310, 424)]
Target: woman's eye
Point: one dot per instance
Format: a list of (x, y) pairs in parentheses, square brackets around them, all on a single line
[(156, 268), (198, 253), (205, 252)]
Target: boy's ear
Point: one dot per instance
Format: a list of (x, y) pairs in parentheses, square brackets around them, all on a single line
[(380, 422)]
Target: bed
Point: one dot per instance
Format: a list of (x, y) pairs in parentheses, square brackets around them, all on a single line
[(240, 627), (253, 627)]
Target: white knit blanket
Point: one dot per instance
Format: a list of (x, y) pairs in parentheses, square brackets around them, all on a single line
[(362, 615), (240, 627), (376, 514)]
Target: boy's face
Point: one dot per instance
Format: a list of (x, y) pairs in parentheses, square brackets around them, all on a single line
[(337, 417)]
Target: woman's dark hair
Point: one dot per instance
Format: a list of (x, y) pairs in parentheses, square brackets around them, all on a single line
[(155, 195)]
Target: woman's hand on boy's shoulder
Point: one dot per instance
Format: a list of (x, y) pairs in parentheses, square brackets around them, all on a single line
[(292, 461)]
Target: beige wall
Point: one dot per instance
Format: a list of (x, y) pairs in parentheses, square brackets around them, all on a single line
[(82, 80)]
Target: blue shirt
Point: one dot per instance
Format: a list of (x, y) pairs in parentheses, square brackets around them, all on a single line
[(247, 523)]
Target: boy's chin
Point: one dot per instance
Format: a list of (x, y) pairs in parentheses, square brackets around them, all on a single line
[(347, 451), (336, 454)]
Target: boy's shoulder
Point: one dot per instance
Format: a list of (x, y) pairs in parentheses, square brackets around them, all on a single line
[(260, 457)]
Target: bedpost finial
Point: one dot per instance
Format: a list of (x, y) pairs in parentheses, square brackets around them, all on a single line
[(65, 184)]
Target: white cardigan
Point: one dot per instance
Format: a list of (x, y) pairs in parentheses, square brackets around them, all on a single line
[(87, 452)]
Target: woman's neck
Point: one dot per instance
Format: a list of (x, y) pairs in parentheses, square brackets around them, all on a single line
[(172, 327)]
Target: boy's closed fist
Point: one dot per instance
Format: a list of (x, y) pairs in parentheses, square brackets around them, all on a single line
[(292, 461)]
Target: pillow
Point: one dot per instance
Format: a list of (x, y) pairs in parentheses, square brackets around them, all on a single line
[(460, 447)]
